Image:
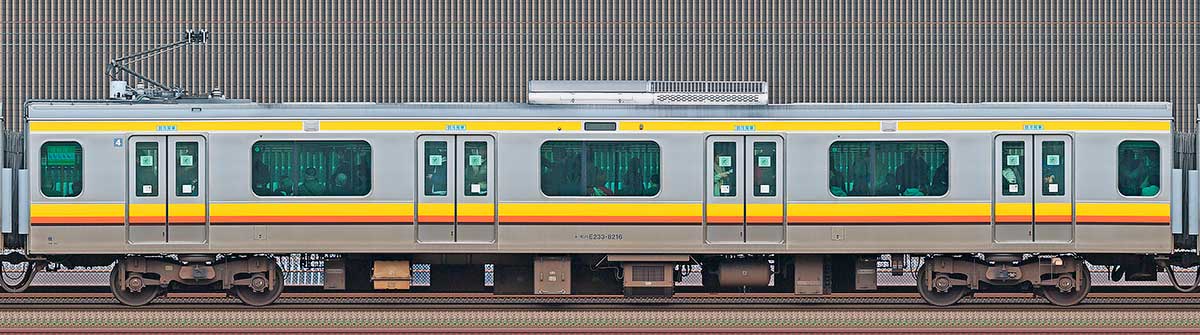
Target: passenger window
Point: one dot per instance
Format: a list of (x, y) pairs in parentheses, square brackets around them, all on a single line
[(146, 171), (1138, 168), (435, 168), (62, 169), (764, 169), (187, 171), (475, 169), (1053, 182), (1012, 171), (724, 169), (600, 168), (311, 168), (889, 168)]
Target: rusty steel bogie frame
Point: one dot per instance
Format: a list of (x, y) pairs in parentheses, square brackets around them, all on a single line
[(259, 273), (1064, 273)]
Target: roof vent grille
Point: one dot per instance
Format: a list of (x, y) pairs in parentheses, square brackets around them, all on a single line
[(648, 92), (752, 87)]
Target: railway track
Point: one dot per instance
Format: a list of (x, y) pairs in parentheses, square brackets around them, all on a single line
[(417, 313), (367, 301), (338, 318)]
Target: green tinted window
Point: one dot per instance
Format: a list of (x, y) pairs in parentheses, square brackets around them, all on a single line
[(146, 171), (62, 169), (1053, 179), (764, 169), (600, 168), (435, 168), (311, 168), (1012, 169), (891, 168), (475, 169), (724, 169), (1138, 168), (187, 169)]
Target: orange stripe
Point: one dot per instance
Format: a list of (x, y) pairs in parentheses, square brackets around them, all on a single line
[(78, 219), (725, 219), (435, 218), (1054, 218), (148, 219), (601, 219), (187, 219), (1014, 218), (476, 219), (1102, 218), (764, 219)]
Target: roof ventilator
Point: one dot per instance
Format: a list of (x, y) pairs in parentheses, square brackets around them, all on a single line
[(633, 92)]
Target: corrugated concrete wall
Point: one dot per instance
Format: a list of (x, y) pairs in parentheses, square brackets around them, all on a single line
[(470, 50)]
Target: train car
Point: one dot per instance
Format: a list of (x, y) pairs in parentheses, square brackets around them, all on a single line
[(601, 187)]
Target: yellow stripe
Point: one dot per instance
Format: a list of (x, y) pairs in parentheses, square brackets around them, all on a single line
[(779, 126), (1123, 209), (561, 209), (311, 209), (147, 209), (1056, 209), (1013, 209), (76, 210), (764, 209), (444, 125), (725, 210), (187, 210), (1046, 125), (436, 209), (154, 126), (890, 209), (476, 209)]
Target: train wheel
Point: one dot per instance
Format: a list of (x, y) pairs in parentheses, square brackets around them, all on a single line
[(932, 295), (265, 294), (125, 294), (22, 279), (1076, 295)]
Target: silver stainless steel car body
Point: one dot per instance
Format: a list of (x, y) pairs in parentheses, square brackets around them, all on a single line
[(812, 224)]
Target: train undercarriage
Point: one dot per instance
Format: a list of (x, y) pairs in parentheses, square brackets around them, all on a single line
[(942, 280)]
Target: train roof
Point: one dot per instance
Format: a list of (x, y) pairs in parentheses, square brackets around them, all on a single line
[(240, 109)]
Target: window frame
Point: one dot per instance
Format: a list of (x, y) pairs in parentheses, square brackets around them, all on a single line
[(250, 175), (829, 164), (538, 165), (1117, 170), (82, 168)]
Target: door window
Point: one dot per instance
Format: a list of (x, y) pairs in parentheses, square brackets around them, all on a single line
[(724, 169), (435, 168), (1054, 180), (1012, 169), (146, 171), (187, 169), (764, 169), (475, 169)]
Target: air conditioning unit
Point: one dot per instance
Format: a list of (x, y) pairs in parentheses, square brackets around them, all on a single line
[(637, 92)]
